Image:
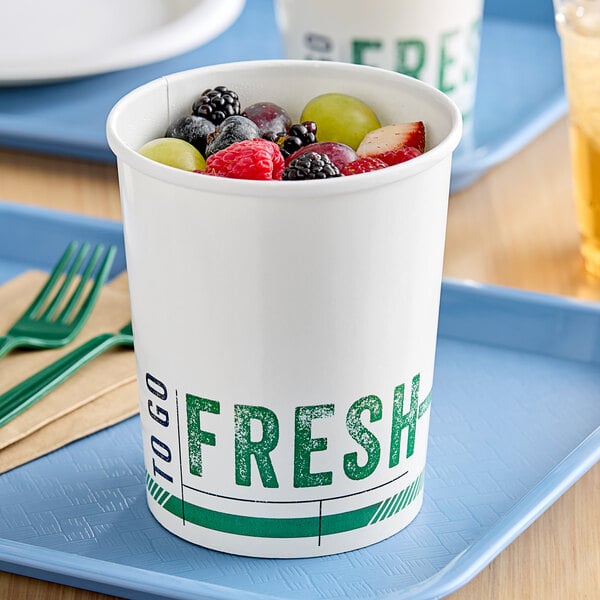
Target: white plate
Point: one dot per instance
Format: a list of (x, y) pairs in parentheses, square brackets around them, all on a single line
[(61, 39)]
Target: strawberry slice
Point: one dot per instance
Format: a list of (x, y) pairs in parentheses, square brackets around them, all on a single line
[(394, 143), (363, 165)]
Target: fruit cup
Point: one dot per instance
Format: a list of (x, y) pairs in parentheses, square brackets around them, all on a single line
[(285, 331)]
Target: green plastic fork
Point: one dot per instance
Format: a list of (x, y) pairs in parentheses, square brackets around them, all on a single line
[(53, 320), (34, 388)]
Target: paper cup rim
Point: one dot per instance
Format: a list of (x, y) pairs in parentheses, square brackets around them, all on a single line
[(330, 187)]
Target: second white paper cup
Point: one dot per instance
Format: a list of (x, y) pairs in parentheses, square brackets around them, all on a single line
[(436, 41), (285, 332)]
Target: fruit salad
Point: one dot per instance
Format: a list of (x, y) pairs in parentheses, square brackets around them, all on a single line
[(336, 135)]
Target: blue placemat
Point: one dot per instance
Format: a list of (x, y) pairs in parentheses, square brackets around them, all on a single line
[(515, 421), (520, 88)]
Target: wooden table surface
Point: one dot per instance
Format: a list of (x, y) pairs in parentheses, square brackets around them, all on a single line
[(514, 227)]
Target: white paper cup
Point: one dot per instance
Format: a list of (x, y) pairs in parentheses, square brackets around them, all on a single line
[(285, 332), (436, 41)]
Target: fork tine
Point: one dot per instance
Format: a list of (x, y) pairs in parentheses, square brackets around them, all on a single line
[(93, 293), (85, 277), (52, 279), (60, 294)]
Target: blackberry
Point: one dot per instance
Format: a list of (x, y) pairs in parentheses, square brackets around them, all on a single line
[(192, 129), (311, 165), (233, 129), (217, 104), (298, 135)]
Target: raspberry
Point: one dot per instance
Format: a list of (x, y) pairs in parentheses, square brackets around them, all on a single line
[(363, 165), (249, 159), (311, 165)]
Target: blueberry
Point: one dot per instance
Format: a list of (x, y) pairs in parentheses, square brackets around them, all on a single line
[(192, 129), (233, 129)]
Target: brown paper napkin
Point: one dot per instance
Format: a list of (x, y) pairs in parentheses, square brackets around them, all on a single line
[(100, 394)]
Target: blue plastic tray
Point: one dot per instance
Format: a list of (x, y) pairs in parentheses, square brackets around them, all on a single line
[(520, 89), (515, 421)]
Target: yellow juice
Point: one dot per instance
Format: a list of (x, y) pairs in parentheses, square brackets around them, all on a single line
[(578, 23)]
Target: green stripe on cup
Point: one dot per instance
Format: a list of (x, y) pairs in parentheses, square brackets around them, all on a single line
[(276, 527), (399, 501)]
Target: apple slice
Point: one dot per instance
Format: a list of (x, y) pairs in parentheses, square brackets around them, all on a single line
[(394, 143)]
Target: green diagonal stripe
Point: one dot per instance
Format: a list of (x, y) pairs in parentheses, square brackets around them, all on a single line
[(412, 492), (414, 489), (396, 504), (424, 406), (382, 508), (156, 491), (389, 508)]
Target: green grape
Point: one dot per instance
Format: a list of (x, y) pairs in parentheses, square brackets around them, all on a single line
[(340, 118), (174, 153)]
